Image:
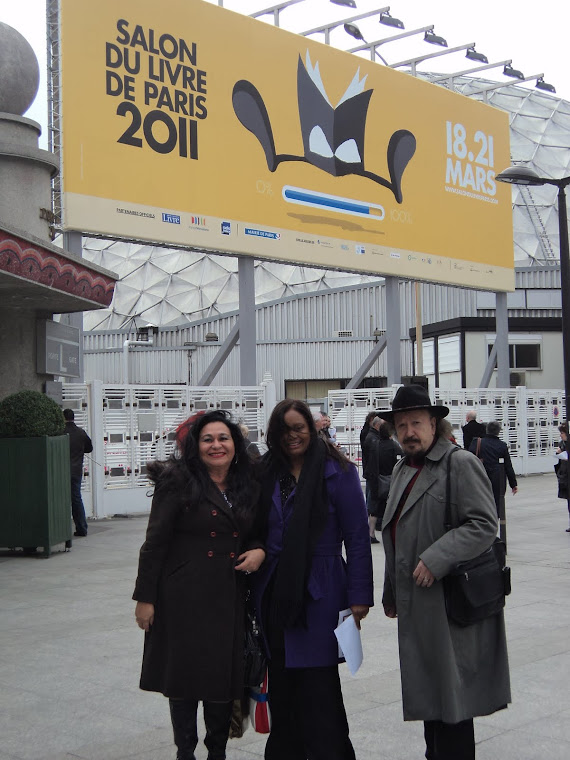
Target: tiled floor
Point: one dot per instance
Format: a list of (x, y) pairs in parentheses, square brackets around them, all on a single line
[(70, 654)]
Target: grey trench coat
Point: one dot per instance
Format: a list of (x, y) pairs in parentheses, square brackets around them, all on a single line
[(448, 673)]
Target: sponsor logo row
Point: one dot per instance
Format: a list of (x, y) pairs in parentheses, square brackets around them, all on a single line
[(228, 228)]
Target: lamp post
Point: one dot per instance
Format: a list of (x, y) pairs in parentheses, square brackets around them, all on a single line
[(522, 175)]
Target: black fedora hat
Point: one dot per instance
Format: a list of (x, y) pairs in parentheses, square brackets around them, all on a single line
[(410, 397)]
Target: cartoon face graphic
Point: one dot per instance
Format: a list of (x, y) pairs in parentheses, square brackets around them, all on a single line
[(333, 136)]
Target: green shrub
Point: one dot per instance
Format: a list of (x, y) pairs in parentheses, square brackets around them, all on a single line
[(30, 414)]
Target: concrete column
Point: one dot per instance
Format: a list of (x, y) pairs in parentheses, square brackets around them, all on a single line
[(393, 331), (18, 350), (502, 340), (247, 326)]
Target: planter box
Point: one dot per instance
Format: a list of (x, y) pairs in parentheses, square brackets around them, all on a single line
[(35, 492)]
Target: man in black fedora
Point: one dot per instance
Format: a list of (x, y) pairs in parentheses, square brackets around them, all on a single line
[(450, 674)]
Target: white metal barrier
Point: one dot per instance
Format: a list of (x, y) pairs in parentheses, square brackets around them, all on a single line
[(133, 424), (529, 418)]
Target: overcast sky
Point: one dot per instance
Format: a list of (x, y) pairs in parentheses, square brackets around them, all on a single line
[(533, 34)]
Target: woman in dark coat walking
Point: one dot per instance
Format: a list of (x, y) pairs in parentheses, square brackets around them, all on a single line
[(202, 539), (313, 498)]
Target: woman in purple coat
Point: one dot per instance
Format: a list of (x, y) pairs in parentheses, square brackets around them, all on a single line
[(314, 503)]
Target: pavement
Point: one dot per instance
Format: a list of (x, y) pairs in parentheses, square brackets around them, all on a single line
[(70, 653)]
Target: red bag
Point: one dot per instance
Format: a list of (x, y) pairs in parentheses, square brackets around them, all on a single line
[(259, 714)]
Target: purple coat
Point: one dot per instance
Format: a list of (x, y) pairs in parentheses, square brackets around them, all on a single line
[(333, 584)]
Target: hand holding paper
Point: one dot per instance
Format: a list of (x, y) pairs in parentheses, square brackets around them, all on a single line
[(349, 641)]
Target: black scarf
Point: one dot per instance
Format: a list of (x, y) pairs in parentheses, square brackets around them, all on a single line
[(307, 521)]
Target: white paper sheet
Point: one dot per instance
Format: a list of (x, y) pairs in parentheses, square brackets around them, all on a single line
[(349, 641), (563, 455)]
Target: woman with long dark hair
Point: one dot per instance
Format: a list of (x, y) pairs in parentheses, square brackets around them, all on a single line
[(202, 539), (313, 501)]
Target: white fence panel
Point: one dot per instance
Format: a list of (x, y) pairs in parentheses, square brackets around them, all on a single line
[(529, 418), (131, 425)]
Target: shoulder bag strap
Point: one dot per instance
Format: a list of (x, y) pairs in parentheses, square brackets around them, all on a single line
[(448, 524), (478, 450)]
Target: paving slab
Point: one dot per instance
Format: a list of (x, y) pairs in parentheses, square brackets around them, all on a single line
[(70, 653)]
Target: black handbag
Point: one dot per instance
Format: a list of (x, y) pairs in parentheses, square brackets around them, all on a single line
[(384, 486), (475, 589), (255, 663)]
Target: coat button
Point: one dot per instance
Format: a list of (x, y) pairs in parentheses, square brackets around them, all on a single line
[(232, 555), (236, 534), (210, 554), (214, 512), (213, 534)]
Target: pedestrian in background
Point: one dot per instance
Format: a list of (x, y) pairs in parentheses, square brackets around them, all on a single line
[(363, 435), (447, 431), (472, 429), (79, 445), (496, 459), (382, 453), (251, 448), (561, 467)]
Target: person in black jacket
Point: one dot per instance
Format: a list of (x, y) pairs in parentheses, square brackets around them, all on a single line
[(382, 453), (79, 445), (472, 429), (496, 459), (561, 467), (365, 430)]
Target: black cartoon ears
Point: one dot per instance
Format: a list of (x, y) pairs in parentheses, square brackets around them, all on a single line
[(401, 148), (252, 113)]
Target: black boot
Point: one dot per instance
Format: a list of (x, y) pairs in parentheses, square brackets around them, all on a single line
[(183, 716), (217, 717)]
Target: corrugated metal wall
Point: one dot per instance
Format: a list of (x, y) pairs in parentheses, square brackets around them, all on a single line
[(296, 335)]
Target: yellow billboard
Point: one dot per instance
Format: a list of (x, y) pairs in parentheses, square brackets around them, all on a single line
[(190, 125)]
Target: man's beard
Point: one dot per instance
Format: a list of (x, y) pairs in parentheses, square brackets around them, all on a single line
[(419, 451)]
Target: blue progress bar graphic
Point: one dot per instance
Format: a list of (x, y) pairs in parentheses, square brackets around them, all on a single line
[(350, 206)]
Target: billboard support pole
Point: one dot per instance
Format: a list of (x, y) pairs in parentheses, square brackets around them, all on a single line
[(502, 340), (360, 373), (489, 368), (223, 353), (247, 326), (394, 372)]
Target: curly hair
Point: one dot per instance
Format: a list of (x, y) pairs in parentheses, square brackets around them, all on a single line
[(185, 468)]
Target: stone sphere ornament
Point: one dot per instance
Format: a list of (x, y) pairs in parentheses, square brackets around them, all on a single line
[(19, 72)]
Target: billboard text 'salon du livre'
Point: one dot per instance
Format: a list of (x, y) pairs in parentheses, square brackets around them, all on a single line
[(191, 125)]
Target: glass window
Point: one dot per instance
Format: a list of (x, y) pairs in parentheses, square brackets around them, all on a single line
[(526, 356)]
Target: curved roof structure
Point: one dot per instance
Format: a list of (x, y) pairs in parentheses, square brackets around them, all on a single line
[(171, 287)]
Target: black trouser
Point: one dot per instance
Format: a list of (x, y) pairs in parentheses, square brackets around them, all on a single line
[(449, 741), (308, 719), (217, 717)]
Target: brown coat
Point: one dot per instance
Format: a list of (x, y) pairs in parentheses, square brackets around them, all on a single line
[(194, 649)]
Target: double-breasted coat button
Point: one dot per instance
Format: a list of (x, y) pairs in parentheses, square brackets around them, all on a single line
[(213, 534), (215, 512), (210, 554), (232, 555)]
